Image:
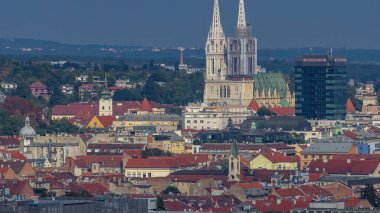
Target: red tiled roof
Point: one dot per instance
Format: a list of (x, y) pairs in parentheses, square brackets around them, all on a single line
[(353, 167), (15, 186), (314, 190), (289, 193), (106, 121), (38, 85), (159, 162), (94, 188), (4, 170), (350, 134), (350, 108), (250, 185), (274, 205), (103, 160), (314, 176), (145, 106), (283, 111), (177, 206), (9, 141), (253, 105), (134, 153), (13, 154)]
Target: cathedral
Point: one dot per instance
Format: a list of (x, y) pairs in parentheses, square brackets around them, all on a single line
[(231, 68)]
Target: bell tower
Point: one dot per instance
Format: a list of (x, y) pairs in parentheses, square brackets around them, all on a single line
[(105, 105), (234, 163)]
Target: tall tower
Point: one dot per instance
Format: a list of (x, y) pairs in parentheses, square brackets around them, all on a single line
[(215, 48), (105, 105), (234, 163), (242, 48)]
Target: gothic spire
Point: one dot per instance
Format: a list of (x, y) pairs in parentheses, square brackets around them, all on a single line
[(216, 29), (242, 23), (234, 151)]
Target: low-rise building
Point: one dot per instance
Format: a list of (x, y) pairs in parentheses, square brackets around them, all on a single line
[(39, 89), (200, 117), (162, 122), (273, 161)]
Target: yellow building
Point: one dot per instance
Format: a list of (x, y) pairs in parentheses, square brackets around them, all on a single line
[(162, 122), (273, 161), (175, 147), (101, 122)]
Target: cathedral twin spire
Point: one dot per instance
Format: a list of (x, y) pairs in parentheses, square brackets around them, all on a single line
[(242, 23), (216, 30)]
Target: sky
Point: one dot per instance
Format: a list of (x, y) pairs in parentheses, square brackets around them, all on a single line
[(173, 23)]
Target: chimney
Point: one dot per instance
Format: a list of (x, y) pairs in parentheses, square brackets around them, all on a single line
[(348, 160), (278, 201)]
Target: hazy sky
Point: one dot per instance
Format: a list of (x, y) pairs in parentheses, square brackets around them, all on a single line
[(276, 23)]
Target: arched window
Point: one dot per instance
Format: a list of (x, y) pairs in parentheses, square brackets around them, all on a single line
[(221, 92), (228, 92)]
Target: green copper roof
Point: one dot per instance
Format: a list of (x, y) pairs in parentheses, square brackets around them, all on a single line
[(234, 149), (272, 81), (284, 103)]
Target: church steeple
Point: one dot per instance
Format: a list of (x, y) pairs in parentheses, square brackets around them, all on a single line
[(242, 23), (216, 29), (234, 163)]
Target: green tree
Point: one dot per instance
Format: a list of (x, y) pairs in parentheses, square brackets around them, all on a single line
[(171, 190), (11, 125), (369, 193), (57, 127), (128, 95)]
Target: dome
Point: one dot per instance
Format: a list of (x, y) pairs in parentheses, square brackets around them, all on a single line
[(27, 130)]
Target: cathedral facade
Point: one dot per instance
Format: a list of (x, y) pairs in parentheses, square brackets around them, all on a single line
[(230, 64)]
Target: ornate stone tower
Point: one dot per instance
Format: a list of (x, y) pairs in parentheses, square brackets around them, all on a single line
[(242, 48), (234, 163), (105, 105), (219, 87), (215, 48)]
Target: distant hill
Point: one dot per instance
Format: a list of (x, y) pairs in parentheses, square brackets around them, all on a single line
[(21, 46)]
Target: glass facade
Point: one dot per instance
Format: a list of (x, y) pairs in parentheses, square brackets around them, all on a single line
[(320, 87)]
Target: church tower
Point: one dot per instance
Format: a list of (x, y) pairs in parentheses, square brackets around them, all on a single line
[(234, 163), (242, 48), (215, 48), (105, 105), (220, 88)]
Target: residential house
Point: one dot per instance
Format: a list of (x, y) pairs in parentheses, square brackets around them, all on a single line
[(325, 150), (101, 122), (18, 190), (39, 89), (273, 161)]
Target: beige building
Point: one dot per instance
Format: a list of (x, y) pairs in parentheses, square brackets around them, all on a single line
[(161, 122), (201, 117), (53, 149)]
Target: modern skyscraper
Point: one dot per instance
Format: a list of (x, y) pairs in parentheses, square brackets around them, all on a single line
[(320, 87)]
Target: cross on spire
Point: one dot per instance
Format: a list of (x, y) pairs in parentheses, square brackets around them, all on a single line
[(242, 23)]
